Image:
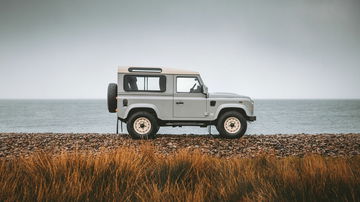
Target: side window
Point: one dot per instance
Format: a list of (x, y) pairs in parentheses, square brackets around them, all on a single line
[(144, 83), (188, 85)]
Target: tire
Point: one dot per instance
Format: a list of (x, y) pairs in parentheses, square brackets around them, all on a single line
[(231, 125), (111, 97), (142, 125), (157, 130)]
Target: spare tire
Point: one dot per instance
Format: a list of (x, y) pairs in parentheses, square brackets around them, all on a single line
[(111, 97)]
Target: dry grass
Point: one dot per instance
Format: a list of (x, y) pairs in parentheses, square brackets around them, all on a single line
[(126, 175)]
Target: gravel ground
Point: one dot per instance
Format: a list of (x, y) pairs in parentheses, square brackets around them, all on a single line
[(23, 144)]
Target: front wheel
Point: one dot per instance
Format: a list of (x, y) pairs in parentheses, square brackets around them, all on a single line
[(142, 125), (231, 125)]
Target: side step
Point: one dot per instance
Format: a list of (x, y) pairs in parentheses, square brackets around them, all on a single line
[(186, 124)]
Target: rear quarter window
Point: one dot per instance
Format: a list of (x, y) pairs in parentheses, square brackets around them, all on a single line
[(144, 83)]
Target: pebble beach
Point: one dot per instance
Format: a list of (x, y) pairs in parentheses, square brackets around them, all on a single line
[(23, 144)]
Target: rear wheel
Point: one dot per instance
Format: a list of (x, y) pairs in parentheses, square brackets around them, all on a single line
[(231, 125), (142, 125)]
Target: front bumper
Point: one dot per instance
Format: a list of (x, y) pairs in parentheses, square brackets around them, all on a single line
[(251, 118)]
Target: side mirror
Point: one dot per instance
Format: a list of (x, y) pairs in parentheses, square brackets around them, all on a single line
[(205, 90)]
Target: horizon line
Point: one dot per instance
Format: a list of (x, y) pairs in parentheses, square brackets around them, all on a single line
[(251, 98)]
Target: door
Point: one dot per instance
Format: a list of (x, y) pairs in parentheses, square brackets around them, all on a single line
[(189, 101)]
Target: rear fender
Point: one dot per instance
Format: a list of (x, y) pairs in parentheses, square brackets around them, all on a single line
[(139, 105)]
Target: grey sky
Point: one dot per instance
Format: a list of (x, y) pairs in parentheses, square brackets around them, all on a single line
[(264, 49)]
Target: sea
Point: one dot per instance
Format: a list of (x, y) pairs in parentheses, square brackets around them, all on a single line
[(91, 116)]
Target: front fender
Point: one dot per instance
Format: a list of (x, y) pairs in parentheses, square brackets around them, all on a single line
[(225, 106)]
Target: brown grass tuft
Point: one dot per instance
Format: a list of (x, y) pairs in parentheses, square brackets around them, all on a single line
[(129, 175)]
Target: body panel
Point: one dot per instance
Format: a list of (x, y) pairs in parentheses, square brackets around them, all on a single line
[(190, 106)]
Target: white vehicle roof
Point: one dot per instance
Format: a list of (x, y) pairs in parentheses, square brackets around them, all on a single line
[(158, 70)]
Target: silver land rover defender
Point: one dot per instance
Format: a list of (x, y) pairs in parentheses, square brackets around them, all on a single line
[(146, 98)]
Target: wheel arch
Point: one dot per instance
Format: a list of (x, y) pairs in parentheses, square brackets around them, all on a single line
[(228, 108), (143, 107)]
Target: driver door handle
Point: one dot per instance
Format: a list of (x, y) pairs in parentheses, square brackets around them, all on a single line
[(179, 103)]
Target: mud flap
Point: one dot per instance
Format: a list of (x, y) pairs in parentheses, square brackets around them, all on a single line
[(117, 126)]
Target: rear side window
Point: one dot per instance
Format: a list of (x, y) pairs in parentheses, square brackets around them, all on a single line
[(144, 83)]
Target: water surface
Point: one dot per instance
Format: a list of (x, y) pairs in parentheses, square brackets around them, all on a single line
[(91, 116)]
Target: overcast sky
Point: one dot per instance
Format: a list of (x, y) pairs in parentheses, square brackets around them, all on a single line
[(263, 49)]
